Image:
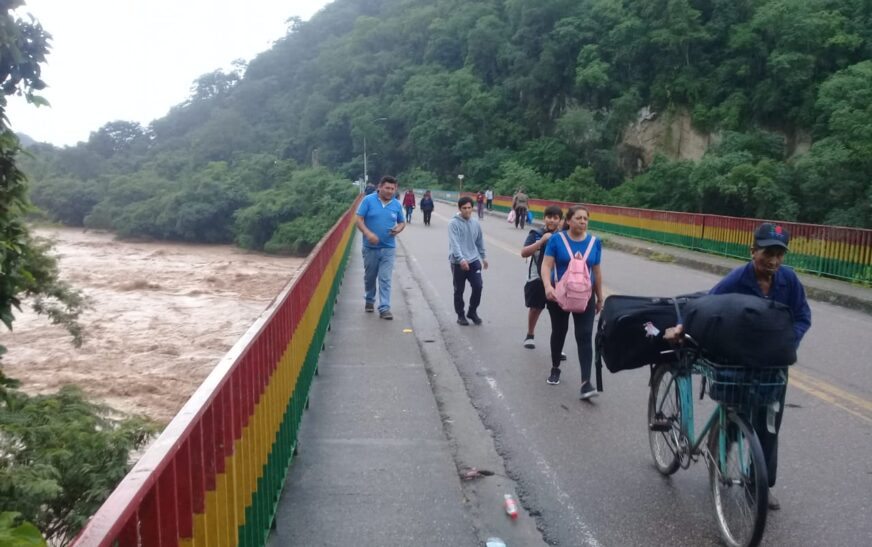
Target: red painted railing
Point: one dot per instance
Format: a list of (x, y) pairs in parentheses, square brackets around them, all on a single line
[(833, 251)]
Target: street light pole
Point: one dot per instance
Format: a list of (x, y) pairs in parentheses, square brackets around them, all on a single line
[(365, 172), (460, 177)]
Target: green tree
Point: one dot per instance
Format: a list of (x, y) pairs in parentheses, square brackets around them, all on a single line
[(27, 269), (62, 457)]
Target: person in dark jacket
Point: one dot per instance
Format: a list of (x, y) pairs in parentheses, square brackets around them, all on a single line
[(766, 277), (427, 207)]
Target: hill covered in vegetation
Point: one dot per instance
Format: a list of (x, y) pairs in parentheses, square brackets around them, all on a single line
[(510, 93)]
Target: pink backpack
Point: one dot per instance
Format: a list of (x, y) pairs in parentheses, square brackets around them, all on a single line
[(573, 290)]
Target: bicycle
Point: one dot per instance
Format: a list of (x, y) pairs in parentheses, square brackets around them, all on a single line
[(727, 443)]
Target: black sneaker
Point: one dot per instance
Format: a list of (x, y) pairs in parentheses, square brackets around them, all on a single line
[(369, 307), (529, 343), (562, 356), (588, 391), (386, 315), (554, 379), (474, 318), (462, 321)]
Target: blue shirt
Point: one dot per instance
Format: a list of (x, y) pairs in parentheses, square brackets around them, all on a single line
[(557, 249), (786, 289), (380, 218)]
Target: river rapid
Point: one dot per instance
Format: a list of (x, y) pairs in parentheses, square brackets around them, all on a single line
[(161, 315)]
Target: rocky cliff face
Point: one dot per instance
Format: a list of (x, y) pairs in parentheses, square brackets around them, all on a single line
[(671, 134)]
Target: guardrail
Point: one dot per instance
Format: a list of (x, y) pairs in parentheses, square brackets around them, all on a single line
[(832, 251), (215, 474)]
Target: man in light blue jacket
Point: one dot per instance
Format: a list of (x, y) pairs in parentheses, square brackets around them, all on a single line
[(467, 256)]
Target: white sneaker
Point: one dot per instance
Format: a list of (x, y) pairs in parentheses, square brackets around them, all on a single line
[(529, 343)]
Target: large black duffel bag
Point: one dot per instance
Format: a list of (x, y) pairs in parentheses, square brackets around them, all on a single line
[(630, 332), (742, 330)]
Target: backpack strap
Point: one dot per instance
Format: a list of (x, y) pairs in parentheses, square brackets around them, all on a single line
[(566, 243), (589, 246), (569, 249)]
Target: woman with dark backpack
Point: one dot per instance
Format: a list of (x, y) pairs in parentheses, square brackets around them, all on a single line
[(572, 258)]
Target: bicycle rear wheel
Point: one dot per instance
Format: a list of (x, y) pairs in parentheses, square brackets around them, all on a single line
[(664, 419), (739, 482)]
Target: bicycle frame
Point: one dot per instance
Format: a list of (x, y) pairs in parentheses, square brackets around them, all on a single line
[(684, 386)]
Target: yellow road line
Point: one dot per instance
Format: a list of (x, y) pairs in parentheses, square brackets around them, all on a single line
[(832, 390), (852, 404)]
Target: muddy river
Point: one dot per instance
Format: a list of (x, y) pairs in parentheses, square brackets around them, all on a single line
[(161, 315)]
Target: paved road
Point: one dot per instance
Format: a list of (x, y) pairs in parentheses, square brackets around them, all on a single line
[(583, 469)]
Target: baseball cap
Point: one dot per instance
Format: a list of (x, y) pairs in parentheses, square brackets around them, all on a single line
[(771, 235)]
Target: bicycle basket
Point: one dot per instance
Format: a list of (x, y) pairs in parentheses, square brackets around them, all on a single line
[(742, 386)]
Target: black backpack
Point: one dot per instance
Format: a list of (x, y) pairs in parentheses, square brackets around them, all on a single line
[(630, 332), (742, 330)]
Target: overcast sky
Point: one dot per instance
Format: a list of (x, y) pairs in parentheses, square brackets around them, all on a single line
[(134, 59)]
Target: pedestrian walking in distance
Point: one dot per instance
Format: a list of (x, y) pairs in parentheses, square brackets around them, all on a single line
[(380, 218), (466, 254), (427, 207), (409, 204), (520, 202)]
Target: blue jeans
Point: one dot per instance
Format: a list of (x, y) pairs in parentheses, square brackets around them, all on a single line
[(378, 264)]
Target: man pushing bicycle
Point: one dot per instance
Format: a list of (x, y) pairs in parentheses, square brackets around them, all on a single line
[(765, 277)]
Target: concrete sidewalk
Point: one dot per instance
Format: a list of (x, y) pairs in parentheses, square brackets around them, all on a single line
[(374, 465)]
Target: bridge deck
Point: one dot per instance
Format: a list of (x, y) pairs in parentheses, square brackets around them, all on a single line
[(374, 466)]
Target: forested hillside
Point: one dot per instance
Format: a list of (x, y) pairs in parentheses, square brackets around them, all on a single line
[(508, 92)]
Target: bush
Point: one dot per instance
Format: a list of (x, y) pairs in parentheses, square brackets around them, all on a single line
[(63, 456)]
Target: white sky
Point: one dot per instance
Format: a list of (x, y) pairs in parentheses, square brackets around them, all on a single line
[(134, 59)]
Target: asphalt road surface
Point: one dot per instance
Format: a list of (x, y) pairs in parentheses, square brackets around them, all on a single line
[(583, 469)]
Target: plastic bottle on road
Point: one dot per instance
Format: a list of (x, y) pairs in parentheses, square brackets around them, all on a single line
[(495, 542), (511, 506)]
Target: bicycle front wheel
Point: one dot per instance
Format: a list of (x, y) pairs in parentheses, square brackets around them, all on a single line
[(739, 481), (664, 419)]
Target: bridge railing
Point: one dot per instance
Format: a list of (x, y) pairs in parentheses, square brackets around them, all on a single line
[(215, 474), (832, 251)]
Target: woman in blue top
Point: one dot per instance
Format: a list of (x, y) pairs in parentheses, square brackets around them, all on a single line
[(554, 265)]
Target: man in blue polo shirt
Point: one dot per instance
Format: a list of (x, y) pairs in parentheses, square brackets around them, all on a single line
[(380, 218)]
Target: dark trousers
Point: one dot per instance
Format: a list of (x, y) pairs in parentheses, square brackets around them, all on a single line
[(769, 441), (409, 210), (489, 204), (427, 216), (473, 275), (520, 216), (583, 334)]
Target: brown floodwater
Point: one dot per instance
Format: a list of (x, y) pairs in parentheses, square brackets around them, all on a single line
[(161, 316)]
